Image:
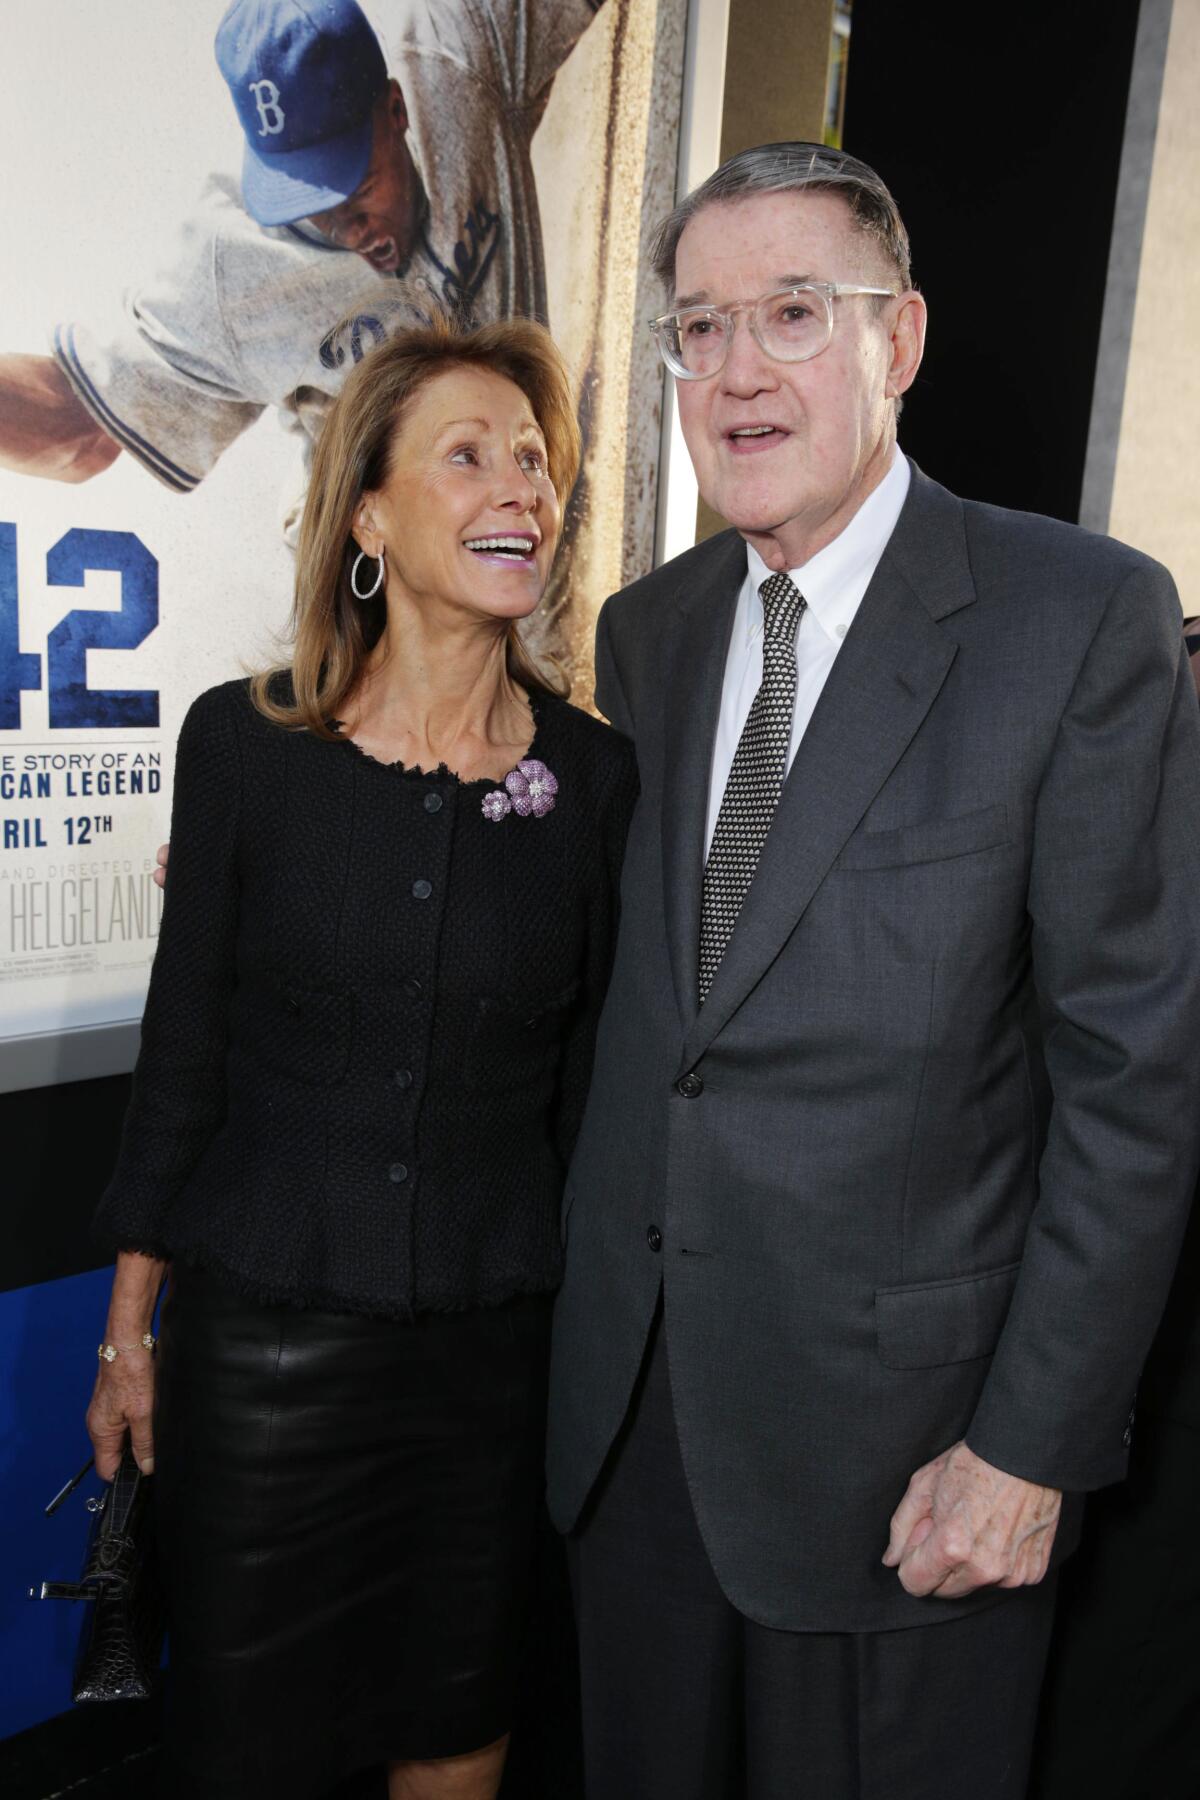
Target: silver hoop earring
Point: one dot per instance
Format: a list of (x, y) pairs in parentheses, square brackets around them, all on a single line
[(376, 584)]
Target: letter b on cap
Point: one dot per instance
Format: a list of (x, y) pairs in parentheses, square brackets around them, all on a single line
[(266, 98)]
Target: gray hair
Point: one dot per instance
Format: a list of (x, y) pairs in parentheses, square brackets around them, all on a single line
[(786, 169)]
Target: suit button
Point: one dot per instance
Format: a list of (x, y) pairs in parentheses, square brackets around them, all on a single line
[(403, 1078), (1127, 1436), (412, 988), (691, 1086), (422, 889), (398, 1172), (433, 803), (654, 1237)]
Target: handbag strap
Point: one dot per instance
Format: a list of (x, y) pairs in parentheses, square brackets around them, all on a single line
[(62, 1590)]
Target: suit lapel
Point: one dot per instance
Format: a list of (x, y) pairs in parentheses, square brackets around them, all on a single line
[(886, 677), (694, 669)]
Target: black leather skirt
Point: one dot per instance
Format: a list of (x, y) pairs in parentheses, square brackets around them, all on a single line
[(347, 1508)]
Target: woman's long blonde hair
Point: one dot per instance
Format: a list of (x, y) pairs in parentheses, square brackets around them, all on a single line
[(332, 631)]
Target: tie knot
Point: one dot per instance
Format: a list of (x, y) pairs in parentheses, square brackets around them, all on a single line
[(782, 604)]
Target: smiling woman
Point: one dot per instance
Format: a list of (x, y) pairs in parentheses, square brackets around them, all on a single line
[(406, 462), (466, 491), (386, 939)]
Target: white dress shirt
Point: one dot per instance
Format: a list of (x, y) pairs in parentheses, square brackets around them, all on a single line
[(833, 583)]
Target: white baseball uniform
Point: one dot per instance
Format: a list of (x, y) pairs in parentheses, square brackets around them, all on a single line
[(244, 316)]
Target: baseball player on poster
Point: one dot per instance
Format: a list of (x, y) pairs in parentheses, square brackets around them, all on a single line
[(374, 191)]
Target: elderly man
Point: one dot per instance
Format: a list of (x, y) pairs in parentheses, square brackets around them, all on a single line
[(891, 1134)]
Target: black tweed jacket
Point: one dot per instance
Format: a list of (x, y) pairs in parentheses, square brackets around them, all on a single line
[(369, 1030)]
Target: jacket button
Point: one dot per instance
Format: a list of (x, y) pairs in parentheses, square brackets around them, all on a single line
[(691, 1085), (398, 1172), (422, 889), (403, 1078), (654, 1237), (433, 803)]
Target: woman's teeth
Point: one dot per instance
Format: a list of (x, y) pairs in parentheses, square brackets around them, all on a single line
[(520, 549)]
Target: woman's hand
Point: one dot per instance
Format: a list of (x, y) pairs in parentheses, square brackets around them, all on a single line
[(123, 1398)]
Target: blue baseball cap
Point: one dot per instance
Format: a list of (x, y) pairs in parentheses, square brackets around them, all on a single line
[(304, 75)]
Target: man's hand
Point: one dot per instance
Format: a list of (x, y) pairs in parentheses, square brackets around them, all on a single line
[(964, 1524), (160, 857), (45, 429)]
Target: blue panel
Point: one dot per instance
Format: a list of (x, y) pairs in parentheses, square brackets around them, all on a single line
[(48, 1338)]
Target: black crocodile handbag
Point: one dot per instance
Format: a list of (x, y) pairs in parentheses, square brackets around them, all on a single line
[(121, 1640)]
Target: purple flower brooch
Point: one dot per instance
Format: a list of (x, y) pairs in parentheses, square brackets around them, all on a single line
[(530, 790)]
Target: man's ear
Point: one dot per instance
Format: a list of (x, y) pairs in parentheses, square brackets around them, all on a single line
[(397, 110), (907, 343)]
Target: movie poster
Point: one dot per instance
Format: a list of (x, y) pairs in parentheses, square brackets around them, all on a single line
[(177, 314)]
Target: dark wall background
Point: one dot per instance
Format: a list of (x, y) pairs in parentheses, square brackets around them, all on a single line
[(60, 1144), (999, 129)]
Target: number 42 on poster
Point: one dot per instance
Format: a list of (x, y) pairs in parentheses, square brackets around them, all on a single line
[(71, 704)]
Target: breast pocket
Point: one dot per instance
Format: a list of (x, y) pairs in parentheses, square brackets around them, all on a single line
[(933, 840), (514, 1044), (302, 1032)]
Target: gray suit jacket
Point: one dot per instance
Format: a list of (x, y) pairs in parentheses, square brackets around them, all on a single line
[(935, 1163)]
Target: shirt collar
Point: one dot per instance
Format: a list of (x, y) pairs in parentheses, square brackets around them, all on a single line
[(834, 581)]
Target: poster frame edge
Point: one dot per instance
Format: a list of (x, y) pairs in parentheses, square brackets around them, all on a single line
[(76, 1053), (701, 115)]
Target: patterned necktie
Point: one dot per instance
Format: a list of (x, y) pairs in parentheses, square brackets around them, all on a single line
[(755, 778)]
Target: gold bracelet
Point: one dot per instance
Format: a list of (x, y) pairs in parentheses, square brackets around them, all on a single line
[(109, 1352)]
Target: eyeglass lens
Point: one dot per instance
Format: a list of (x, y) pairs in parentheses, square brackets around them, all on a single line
[(791, 326)]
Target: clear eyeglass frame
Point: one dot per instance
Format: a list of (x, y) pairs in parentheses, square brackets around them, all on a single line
[(669, 327)]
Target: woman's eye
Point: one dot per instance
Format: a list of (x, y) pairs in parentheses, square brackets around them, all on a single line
[(465, 454), (533, 459), (698, 327)]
